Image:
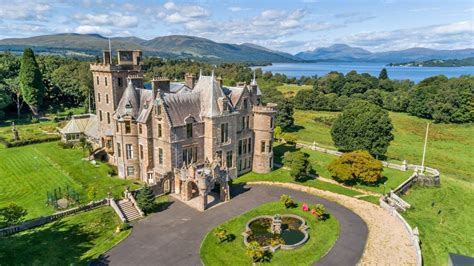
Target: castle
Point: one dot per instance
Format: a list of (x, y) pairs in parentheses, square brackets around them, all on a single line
[(191, 137)]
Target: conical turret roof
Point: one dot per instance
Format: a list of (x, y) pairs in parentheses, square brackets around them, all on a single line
[(129, 104)]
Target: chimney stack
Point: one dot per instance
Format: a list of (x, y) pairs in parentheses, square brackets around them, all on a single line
[(219, 82), (160, 83), (190, 80), (106, 57)]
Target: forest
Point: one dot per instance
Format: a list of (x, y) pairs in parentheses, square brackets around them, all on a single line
[(33, 85)]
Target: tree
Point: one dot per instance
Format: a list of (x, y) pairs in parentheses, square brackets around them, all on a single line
[(12, 86), (356, 166), (85, 145), (31, 81), (363, 126), (383, 74), (284, 118), (298, 163), (11, 215), (289, 138), (146, 200), (277, 132)]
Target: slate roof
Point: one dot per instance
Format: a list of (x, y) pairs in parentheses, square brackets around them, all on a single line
[(182, 105), (86, 124), (138, 100), (209, 91)]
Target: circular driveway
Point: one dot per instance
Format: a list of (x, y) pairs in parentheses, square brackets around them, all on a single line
[(174, 236)]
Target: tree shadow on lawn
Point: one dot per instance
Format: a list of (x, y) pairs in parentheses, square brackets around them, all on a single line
[(279, 152), (294, 128), (57, 244)]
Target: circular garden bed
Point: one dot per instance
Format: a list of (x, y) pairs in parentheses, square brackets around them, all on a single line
[(231, 250)]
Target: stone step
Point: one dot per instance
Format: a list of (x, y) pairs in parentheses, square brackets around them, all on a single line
[(129, 211)]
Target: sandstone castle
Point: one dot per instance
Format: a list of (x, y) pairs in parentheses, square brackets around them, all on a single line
[(191, 137)]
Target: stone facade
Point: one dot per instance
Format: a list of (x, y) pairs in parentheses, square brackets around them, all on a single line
[(197, 134)]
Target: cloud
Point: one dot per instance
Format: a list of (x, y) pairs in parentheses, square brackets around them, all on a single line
[(237, 8), (353, 17), (114, 19), (85, 29), (24, 10), (445, 36), (176, 14)]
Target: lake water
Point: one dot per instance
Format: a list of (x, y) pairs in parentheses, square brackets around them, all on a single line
[(415, 74)]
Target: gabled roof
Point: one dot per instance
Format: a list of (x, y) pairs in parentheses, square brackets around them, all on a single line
[(209, 91), (182, 105), (86, 124)]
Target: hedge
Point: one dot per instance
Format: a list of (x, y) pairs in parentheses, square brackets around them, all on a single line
[(28, 141)]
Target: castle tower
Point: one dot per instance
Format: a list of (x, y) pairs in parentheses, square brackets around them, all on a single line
[(110, 81), (263, 125)]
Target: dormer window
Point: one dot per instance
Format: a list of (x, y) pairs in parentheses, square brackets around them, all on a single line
[(189, 130), (246, 104), (128, 108)]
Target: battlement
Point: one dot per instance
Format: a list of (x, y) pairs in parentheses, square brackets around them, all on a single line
[(269, 108), (101, 67), (158, 78), (135, 76)]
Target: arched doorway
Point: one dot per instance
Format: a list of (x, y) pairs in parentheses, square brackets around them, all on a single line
[(192, 190)]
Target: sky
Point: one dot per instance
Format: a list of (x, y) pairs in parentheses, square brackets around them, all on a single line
[(290, 26)]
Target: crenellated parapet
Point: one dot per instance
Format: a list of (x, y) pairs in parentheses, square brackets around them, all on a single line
[(268, 108)]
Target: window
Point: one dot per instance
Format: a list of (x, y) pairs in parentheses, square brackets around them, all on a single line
[(270, 146), (189, 130), (245, 163), (248, 121), (262, 147), (98, 97), (160, 131), (242, 126), (128, 149), (245, 104), (245, 146), (105, 81), (97, 80), (119, 81), (229, 159), (224, 133), (270, 163), (107, 98), (239, 165), (130, 171), (109, 144), (119, 151), (141, 151), (100, 115), (249, 145), (140, 129), (240, 147), (158, 110), (117, 126), (108, 118), (271, 122), (127, 127), (190, 155), (160, 155)]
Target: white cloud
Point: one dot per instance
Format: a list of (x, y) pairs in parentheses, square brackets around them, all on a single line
[(113, 19), (24, 10), (85, 29), (175, 14)]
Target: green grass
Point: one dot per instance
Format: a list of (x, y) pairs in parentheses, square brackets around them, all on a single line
[(450, 150), (27, 173), (29, 131), (76, 239), (291, 89), (282, 175), (323, 235)]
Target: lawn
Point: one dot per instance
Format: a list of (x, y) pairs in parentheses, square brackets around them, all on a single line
[(27, 173), (73, 240), (290, 90), (42, 130), (450, 150), (323, 235)]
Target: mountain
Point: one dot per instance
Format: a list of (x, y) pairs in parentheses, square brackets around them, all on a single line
[(337, 52), (345, 53), (173, 46)]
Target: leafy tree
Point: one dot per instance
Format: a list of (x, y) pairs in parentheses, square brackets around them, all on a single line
[(304, 99), (5, 100), (363, 126), (11, 215), (356, 166), (373, 96), (85, 146), (298, 163), (277, 132), (31, 82), (146, 200), (74, 81), (383, 74), (284, 117), (289, 138), (12, 87)]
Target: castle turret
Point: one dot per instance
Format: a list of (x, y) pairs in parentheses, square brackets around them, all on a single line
[(263, 125)]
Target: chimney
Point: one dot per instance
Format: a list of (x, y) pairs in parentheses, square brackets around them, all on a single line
[(137, 57), (106, 57), (219, 82), (190, 80), (160, 83), (137, 80)]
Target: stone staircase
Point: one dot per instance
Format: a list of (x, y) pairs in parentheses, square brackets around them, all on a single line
[(129, 211)]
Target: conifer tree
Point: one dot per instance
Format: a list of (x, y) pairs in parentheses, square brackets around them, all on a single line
[(31, 81), (146, 200), (383, 74)]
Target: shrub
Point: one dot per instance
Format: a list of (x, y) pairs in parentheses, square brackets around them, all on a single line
[(221, 234), (319, 211), (298, 163), (305, 207), (289, 138), (255, 251), (276, 240), (28, 141), (146, 200), (11, 215), (66, 145), (287, 201), (125, 226), (356, 166)]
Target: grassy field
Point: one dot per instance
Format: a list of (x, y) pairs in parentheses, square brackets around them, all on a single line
[(323, 235), (73, 240), (41, 130), (450, 150), (27, 173), (290, 90)]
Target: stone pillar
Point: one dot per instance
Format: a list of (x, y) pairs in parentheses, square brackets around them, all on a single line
[(203, 198)]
